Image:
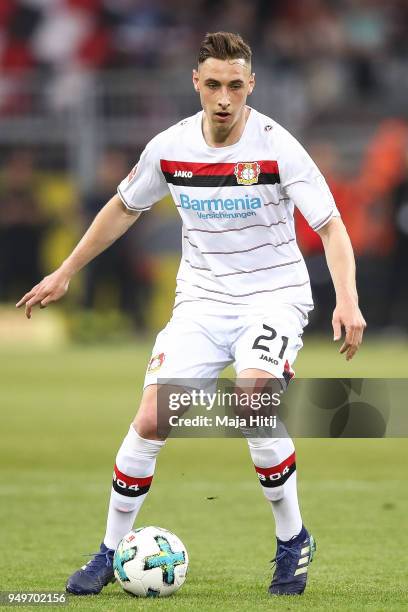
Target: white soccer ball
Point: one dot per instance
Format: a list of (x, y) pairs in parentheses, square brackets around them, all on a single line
[(150, 562)]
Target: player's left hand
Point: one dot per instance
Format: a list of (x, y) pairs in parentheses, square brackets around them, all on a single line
[(348, 315)]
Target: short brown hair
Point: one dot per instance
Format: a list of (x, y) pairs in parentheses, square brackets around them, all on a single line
[(224, 45)]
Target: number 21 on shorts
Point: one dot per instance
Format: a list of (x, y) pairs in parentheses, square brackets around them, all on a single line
[(272, 335)]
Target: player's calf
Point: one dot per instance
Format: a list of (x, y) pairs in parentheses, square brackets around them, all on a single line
[(132, 477), (274, 460), (275, 465)]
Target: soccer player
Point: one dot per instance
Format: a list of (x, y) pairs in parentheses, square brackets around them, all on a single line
[(243, 292)]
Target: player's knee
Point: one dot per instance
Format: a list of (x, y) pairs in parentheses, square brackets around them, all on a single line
[(145, 422), (146, 426)]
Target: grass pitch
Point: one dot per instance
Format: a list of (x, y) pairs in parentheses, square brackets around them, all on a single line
[(64, 413)]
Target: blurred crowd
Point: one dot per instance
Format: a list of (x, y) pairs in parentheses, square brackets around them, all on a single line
[(30, 229), (373, 202), (333, 43)]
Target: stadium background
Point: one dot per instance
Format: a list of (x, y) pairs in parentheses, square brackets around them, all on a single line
[(84, 84)]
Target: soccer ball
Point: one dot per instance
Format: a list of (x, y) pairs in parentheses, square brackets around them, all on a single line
[(150, 562)]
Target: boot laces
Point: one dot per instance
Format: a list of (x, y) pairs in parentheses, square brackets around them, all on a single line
[(284, 551), (94, 564)]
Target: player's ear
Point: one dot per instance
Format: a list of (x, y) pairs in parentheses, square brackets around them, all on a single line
[(195, 80), (251, 83)]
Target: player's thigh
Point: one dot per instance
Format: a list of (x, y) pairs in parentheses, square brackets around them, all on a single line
[(269, 343), (253, 378), (187, 354)]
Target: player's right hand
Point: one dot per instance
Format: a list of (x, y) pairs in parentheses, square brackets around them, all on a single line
[(50, 289)]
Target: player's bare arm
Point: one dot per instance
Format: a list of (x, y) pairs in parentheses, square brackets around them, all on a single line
[(109, 224), (340, 259)]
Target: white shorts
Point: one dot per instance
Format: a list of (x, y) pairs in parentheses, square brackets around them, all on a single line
[(199, 345)]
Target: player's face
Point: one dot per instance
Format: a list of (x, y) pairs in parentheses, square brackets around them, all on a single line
[(223, 86)]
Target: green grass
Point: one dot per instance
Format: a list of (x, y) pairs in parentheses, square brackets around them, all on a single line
[(64, 413)]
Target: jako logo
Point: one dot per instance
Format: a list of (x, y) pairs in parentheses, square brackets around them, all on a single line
[(245, 203), (183, 174)]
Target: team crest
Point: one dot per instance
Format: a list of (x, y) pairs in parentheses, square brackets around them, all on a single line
[(247, 173), (155, 363)]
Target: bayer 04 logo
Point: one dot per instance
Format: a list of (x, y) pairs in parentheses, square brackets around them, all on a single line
[(150, 562)]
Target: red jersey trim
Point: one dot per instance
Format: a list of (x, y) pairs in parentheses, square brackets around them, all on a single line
[(200, 169)]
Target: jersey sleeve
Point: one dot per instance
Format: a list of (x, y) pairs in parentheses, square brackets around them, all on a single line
[(145, 185), (304, 184)]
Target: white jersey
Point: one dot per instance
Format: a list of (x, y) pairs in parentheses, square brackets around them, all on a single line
[(236, 203)]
